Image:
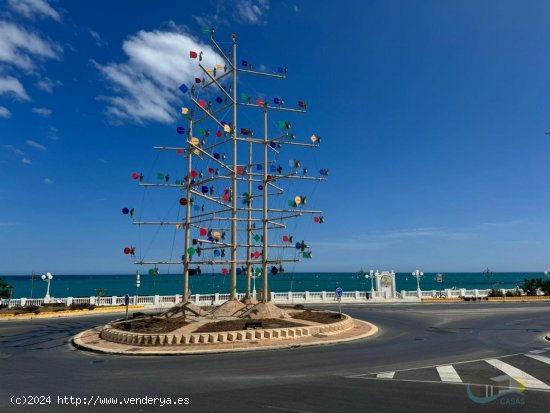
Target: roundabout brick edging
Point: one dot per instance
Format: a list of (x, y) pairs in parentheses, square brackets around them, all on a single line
[(232, 341), (109, 333)]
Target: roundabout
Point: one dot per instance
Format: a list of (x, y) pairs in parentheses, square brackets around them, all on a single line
[(188, 331)]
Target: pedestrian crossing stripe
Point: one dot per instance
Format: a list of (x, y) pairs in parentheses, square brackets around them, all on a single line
[(544, 359), (448, 374), (519, 375)]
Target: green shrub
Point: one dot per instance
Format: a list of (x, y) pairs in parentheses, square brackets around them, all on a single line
[(495, 293)]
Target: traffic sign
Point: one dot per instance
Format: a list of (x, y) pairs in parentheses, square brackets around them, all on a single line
[(339, 292), (126, 299)]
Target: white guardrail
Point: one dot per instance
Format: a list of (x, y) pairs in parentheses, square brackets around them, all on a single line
[(307, 297)]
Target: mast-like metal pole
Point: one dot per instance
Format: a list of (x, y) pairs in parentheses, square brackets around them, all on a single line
[(249, 225), (187, 219), (265, 217), (233, 292)]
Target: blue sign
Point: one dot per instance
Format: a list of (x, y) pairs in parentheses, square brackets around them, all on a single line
[(126, 299), (339, 292)]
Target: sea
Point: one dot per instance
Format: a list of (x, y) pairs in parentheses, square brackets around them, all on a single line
[(170, 284)]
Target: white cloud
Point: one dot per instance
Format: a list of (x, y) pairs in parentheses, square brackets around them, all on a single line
[(296, 9), (35, 144), (26, 161), (12, 86), (47, 84), (17, 45), (147, 84), (14, 150), (34, 8), (240, 11), (8, 224), (53, 133), (42, 112), (98, 40), (4, 112), (48, 181), (250, 11)]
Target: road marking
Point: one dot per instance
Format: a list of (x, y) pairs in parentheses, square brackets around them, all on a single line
[(448, 374), (286, 409), (520, 376), (537, 351), (544, 359), (386, 375)]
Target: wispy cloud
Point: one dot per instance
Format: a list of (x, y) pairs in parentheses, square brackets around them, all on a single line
[(99, 41), (35, 144), (12, 87), (147, 84), (424, 233), (48, 181), (26, 161), (9, 224), (239, 11), (34, 8), (250, 11), (4, 113), (18, 47), (15, 150), (53, 133), (47, 85), (42, 112)]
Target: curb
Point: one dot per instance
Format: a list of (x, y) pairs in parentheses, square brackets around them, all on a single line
[(77, 342)]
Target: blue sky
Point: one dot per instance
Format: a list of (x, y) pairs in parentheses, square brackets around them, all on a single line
[(432, 116)]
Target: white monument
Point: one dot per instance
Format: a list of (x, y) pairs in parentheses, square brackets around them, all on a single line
[(385, 283)]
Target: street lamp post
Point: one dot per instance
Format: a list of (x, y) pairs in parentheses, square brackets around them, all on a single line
[(138, 283), (418, 275), (372, 274), (47, 278)]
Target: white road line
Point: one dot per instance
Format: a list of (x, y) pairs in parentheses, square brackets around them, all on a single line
[(448, 374), (286, 409), (544, 359), (386, 375), (526, 379), (537, 351)]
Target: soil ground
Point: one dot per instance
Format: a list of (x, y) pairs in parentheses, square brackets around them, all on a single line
[(323, 317), (239, 324), (152, 325)]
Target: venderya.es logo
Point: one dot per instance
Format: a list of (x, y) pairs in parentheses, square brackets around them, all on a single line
[(508, 391)]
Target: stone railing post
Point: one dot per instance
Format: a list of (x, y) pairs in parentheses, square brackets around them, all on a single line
[(178, 298), (357, 295), (69, 301), (448, 293), (323, 295), (272, 294), (216, 298), (197, 300), (403, 294), (307, 296), (156, 300), (113, 300), (92, 300), (289, 296), (462, 292), (476, 294), (23, 302)]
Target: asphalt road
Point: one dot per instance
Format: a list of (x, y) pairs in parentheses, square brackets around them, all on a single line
[(398, 370)]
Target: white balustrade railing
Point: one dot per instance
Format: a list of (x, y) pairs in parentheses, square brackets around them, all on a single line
[(310, 297)]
